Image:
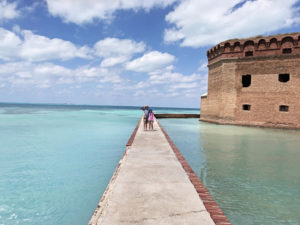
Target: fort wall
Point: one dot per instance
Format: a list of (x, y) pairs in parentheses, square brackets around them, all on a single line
[(272, 97)]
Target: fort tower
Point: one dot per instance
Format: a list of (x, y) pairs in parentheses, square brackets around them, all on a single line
[(254, 81)]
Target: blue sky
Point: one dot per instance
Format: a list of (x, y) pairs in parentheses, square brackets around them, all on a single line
[(123, 52)]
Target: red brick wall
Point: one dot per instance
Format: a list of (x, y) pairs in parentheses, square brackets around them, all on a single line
[(226, 96), (221, 99), (266, 92)]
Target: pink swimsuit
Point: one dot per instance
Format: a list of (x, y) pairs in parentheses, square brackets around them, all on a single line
[(151, 117)]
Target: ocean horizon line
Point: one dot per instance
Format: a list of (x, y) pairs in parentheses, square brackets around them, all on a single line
[(88, 105)]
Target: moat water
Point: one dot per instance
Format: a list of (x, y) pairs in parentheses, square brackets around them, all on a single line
[(252, 173)]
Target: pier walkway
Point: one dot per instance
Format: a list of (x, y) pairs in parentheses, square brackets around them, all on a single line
[(150, 186)]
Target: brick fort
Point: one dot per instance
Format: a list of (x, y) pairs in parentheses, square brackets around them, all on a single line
[(254, 81)]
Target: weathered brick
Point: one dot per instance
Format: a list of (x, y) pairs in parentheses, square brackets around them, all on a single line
[(226, 95)]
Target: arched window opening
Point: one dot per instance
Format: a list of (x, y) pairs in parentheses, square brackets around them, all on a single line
[(273, 43), (261, 44), (227, 47)]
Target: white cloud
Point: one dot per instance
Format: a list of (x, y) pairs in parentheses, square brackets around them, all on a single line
[(8, 10), (185, 85), (203, 67), (45, 75), (112, 61), (26, 45), (199, 23), (96, 74), (19, 74), (113, 46), (150, 62), (86, 11), (172, 84), (10, 44), (116, 51), (40, 48), (51, 69), (171, 77)]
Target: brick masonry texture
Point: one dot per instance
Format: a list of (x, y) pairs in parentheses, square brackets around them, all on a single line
[(268, 57), (211, 206)]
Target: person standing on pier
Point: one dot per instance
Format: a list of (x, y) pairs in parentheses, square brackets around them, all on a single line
[(146, 114), (150, 119)]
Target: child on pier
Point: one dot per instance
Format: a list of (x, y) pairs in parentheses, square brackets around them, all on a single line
[(150, 119), (146, 115)]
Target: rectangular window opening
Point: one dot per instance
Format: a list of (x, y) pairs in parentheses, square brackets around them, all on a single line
[(286, 50), (246, 107), (246, 80), (249, 53), (284, 77), (283, 108)]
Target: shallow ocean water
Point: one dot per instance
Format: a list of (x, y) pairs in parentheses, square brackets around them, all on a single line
[(252, 173), (56, 160)]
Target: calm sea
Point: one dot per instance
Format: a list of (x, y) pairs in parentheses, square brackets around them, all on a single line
[(56, 160), (252, 173)]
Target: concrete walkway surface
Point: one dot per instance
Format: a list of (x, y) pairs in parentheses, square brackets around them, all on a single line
[(150, 187)]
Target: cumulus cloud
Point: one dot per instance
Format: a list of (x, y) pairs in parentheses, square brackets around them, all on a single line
[(8, 10), (116, 51), (86, 11), (171, 77), (40, 48), (150, 62), (26, 45), (173, 84), (48, 69), (200, 23), (21, 74), (45, 75), (10, 44), (185, 85), (21, 44)]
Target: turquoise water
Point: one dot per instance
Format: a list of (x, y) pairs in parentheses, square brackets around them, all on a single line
[(252, 173), (56, 160)]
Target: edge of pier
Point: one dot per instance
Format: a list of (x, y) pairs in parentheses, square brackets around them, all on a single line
[(211, 206)]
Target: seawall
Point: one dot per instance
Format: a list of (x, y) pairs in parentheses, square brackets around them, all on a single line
[(170, 115), (153, 184)]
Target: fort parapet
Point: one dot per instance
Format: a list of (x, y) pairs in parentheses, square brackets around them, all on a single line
[(254, 81)]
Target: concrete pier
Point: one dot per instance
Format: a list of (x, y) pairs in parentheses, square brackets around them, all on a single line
[(151, 186)]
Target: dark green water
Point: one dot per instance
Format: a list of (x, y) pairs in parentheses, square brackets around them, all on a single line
[(252, 173)]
